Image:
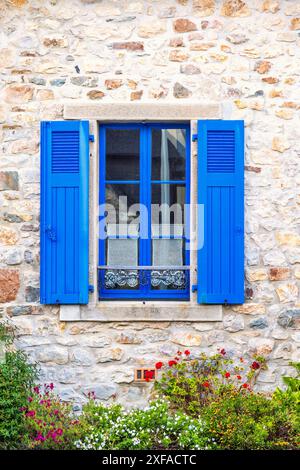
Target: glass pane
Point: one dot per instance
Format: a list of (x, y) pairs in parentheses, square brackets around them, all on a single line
[(122, 154), (122, 203), (121, 253), (167, 252), (168, 154), (168, 208)]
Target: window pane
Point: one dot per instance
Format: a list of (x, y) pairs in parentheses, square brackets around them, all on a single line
[(168, 154), (168, 205), (122, 203), (122, 154)]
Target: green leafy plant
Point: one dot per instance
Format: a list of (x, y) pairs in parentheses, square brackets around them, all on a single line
[(17, 376), (155, 427)]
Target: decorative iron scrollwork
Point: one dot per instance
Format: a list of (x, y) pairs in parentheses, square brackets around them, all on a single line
[(157, 278), (168, 278), (120, 278)]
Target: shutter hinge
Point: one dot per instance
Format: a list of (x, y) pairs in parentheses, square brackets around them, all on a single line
[(194, 137), (91, 138), (194, 288), (91, 289)]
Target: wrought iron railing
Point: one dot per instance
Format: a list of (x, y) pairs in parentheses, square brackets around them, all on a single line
[(130, 277)]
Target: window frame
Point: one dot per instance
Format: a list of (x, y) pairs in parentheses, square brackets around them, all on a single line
[(145, 196)]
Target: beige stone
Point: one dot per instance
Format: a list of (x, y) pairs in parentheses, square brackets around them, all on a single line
[(276, 93), (18, 94), (95, 94), (136, 95), (151, 29), (55, 42), (203, 7), (250, 309), (288, 238), (287, 293), (29, 147), (286, 36), (201, 46), (183, 25), (113, 84), (186, 339), (43, 95), (297, 273), (280, 144), (178, 56), (254, 275), (284, 114), (295, 24), (8, 236), (7, 58), (271, 5), (235, 8), (9, 285), (262, 66), (270, 80)]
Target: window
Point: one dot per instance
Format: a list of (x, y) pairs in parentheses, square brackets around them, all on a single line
[(144, 211)]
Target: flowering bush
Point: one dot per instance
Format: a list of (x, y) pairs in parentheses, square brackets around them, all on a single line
[(220, 392), (155, 427), (49, 421), (191, 383)]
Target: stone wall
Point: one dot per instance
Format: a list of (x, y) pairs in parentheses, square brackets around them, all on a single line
[(242, 54)]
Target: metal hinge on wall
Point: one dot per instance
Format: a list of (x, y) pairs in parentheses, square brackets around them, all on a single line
[(91, 138), (194, 137)]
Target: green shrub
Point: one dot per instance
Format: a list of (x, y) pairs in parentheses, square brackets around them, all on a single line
[(155, 427), (17, 377), (249, 421)]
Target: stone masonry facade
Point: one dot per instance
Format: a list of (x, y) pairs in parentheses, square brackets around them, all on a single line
[(243, 55)]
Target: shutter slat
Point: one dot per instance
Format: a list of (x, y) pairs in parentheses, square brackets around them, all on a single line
[(221, 192), (64, 212)]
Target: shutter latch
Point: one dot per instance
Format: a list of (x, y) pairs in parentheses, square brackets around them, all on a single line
[(194, 288), (91, 138), (91, 289), (51, 234), (194, 137)]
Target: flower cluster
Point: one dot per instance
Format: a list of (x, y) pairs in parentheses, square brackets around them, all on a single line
[(154, 427), (48, 419), (191, 381)]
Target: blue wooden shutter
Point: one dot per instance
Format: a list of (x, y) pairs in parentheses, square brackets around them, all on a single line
[(221, 194), (64, 212)]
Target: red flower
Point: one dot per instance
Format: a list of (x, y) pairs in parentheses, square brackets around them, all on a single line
[(51, 386), (223, 352), (239, 377), (241, 359), (179, 353), (206, 384), (255, 365), (149, 374), (227, 375), (187, 352), (172, 363), (36, 390), (159, 365), (245, 385)]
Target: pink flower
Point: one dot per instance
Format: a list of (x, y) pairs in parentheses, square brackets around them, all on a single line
[(51, 386), (30, 413), (223, 352), (36, 390), (30, 399), (59, 432)]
